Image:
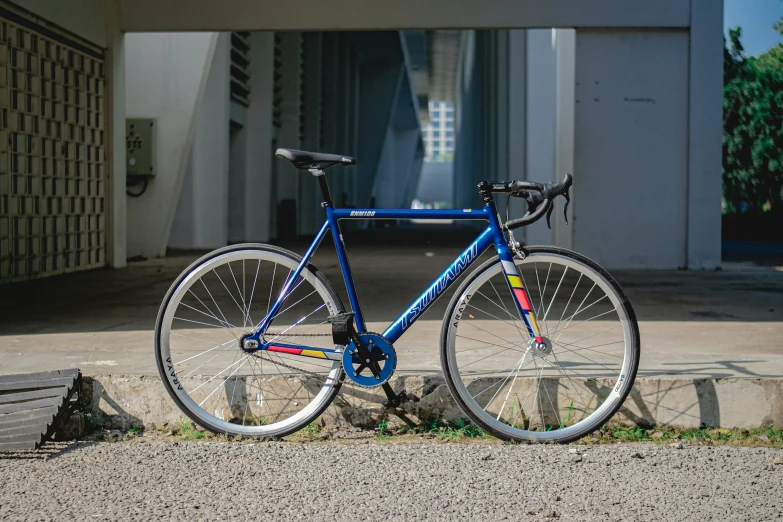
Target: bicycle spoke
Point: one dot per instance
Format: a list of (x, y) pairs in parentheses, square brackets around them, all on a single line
[(258, 393), (569, 302), (216, 306), (517, 384)]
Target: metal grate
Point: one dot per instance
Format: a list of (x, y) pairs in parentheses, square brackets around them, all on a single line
[(52, 152), (240, 63), (34, 406)]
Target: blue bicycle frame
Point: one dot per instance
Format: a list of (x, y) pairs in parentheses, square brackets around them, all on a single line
[(491, 235)]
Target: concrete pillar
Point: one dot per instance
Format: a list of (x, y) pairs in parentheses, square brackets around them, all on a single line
[(258, 133), (309, 212), (541, 107), (705, 103), (379, 87), (237, 180), (289, 134), (210, 156), (517, 117), (470, 152), (116, 248), (565, 59)]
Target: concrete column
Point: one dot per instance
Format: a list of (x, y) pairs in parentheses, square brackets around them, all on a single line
[(237, 180), (116, 247), (517, 116), (541, 103), (210, 159), (258, 129), (288, 135), (565, 60), (705, 102), (470, 153), (309, 212), (379, 87)]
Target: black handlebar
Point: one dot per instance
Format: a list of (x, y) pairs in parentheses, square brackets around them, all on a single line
[(540, 198)]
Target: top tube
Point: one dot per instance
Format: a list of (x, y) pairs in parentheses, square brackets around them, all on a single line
[(411, 213)]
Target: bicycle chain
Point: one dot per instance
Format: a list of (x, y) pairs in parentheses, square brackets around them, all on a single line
[(307, 372), (290, 367)]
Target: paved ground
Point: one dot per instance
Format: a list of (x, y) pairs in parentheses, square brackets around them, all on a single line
[(391, 481), (718, 324)]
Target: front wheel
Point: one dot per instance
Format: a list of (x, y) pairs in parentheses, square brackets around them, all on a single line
[(208, 309), (513, 389)]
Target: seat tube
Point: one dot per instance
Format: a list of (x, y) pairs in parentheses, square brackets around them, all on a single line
[(339, 246), (514, 281)]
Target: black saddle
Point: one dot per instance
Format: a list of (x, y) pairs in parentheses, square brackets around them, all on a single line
[(304, 160)]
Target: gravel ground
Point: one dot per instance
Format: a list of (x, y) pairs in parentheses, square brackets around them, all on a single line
[(421, 480)]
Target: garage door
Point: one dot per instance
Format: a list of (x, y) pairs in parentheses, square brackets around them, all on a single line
[(52, 151)]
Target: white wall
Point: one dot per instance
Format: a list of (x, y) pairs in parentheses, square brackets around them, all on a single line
[(631, 148), (210, 155), (165, 77)]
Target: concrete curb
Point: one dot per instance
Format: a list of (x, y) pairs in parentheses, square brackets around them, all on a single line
[(123, 401)]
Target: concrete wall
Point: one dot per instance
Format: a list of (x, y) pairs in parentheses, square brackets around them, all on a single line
[(631, 148), (166, 75), (93, 20), (541, 108), (436, 182), (202, 212), (208, 15)]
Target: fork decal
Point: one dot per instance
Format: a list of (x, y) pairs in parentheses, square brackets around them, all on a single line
[(520, 295)]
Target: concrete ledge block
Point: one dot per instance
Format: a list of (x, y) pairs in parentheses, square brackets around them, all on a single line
[(123, 401)]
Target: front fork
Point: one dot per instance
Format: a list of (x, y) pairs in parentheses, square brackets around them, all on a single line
[(506, 251)]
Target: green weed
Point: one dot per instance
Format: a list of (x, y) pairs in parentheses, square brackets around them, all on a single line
[(713, 436), (383, 431), (188, 431)]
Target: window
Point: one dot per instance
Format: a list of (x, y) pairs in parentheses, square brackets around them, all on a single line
[(449, 113), (436, 144), (436, 134), (450, 124), (436, 125), (434, 115), (449, 144), (449, 134)]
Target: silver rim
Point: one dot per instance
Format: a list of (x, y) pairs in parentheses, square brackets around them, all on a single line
[(527, 394), (226, 388)]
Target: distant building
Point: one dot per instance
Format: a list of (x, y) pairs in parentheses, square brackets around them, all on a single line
[(439, 133)]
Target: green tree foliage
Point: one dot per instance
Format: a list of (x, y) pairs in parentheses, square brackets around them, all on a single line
[(753, 127)]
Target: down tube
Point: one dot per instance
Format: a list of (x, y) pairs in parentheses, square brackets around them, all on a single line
[(437, 288)]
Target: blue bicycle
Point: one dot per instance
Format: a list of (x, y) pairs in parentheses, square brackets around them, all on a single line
[(538, 343)]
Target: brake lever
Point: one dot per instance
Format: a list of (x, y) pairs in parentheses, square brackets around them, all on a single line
[(565, 210)]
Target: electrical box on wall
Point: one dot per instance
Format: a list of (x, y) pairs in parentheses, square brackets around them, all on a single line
[(140, 147)]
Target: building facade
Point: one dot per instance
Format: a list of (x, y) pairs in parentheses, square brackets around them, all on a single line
[(223, 84)]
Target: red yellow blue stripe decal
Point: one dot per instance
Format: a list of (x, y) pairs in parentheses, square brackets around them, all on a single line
[(523, 302), (318, 354)]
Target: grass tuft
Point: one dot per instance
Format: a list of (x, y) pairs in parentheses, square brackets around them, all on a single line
[(769, 437)]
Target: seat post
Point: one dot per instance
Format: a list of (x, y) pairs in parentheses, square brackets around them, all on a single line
[(318, 173)]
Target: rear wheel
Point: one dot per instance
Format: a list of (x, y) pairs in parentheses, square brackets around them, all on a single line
[(216, 301), (513, 389)]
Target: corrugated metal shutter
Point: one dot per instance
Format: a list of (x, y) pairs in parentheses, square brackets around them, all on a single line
[(52, 151), (240, 68)]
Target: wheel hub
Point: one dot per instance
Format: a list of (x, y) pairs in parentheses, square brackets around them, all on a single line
[(377, 367), (537, 349)]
